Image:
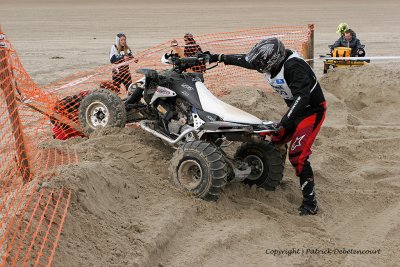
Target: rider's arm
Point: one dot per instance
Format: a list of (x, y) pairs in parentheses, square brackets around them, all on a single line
[(300, 80), (237, 60)]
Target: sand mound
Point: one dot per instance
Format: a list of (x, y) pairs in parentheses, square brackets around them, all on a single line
[(368, 93), (124, 211)]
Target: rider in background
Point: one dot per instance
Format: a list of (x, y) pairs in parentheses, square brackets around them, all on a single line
[(349, 39), (294, 80)]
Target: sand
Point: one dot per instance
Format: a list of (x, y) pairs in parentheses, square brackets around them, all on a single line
[(125, 212)]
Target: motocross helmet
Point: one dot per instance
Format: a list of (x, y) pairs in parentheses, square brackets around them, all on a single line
[(342, 27), (267, 54)]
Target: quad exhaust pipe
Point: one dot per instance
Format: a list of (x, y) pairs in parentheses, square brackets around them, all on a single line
[(145, 126)]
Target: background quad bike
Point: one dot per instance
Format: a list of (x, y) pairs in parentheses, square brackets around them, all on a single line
[(343, 52)]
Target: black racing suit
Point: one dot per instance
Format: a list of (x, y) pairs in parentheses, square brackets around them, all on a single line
[(302, 121)]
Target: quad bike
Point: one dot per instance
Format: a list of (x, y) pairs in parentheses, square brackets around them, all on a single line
[(341, 53), (182, 112)]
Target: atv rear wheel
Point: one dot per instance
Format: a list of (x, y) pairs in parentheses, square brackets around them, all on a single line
[(266, 164), (101, 108), (199, 168)]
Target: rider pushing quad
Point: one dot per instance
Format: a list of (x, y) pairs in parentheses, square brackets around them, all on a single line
[(295, 81), (348, 38)]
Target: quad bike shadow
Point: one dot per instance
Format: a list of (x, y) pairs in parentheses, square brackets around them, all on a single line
[(182, 112)]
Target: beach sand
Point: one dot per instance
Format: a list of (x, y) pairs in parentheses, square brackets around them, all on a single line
[(125, 212)]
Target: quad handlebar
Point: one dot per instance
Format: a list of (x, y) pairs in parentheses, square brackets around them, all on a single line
[(179, 65), (182, 64)]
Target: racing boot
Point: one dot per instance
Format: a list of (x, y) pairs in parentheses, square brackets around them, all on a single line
[(309, 205)]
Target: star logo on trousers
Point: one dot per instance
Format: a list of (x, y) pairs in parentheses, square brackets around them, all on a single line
[(297, 142)]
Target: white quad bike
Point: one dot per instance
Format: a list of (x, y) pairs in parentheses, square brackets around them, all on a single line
[(181, 111)]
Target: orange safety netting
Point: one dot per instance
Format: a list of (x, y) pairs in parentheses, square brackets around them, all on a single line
[(297, 38), (31, 213)]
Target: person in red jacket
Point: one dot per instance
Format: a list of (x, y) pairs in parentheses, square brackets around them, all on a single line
[(67, 109), (294, 80)]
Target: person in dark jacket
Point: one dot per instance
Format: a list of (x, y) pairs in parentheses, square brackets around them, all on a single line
[(119, 53), (294, 80), (349, 39)]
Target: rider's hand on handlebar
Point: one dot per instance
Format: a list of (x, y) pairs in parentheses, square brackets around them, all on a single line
[(279, 134), (278, 126), (213, 57)]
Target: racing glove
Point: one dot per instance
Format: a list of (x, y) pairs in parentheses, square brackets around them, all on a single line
[(278, 136), (214, 57), (278, 125)]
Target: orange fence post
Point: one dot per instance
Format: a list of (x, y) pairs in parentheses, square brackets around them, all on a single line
[(6, 82)]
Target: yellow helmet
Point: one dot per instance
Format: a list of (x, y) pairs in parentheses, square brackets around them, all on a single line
[(342, 28)]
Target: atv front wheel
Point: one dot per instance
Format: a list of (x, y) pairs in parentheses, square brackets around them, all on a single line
[(101, 108), (199, 168), (266, 164)]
